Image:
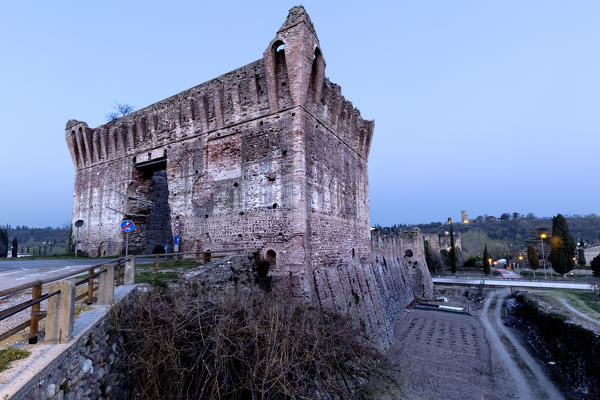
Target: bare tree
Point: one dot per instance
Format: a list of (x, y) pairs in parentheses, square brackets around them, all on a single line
[(120, 110)]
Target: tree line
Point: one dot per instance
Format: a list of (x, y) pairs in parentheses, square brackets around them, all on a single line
[(35, 241)]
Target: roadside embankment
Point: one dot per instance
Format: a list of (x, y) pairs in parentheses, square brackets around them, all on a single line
[(574, 349)]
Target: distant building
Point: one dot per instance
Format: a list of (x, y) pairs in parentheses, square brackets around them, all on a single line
[(490, 218), (463, 217)]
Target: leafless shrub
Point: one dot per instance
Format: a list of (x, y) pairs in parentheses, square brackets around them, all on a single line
[(190, 343), (120, 110)]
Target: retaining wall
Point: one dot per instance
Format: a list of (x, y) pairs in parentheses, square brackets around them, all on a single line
[(88, 367)]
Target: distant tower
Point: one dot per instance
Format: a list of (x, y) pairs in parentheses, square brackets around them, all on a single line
[(463, 217)]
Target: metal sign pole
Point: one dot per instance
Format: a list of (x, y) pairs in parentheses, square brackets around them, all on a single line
[(78, 224), (126, 244)]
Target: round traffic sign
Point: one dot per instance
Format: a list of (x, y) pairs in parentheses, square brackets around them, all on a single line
[(127, 225), (79, 223), (176, 223)]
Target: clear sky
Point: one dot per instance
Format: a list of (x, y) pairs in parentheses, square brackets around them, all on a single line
[(487, 106)]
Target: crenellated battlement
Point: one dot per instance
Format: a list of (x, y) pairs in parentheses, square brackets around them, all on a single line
[(230, 99), (290, 74)]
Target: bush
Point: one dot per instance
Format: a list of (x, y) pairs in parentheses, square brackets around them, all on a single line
[(471, 262), (241, 346), (9, 355)]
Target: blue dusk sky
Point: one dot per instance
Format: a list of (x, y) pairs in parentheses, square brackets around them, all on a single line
[(486, 106)]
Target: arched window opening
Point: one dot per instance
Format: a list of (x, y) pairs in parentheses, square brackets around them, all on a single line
[(353, 253), (271, 257), (314, 74), (82, 143), (408, 253), (278, 51)]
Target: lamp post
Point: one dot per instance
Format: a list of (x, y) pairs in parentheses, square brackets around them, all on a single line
[(542, 237)]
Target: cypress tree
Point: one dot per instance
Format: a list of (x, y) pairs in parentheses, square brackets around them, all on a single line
[(533, 258), (486, 260), (15, 248), (3, 243), (452, 249), (596, 266), (581, 258), (70, 250), (562, 246), (428, 257)]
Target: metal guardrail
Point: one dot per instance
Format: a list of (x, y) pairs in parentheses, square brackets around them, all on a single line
[(37, 286)]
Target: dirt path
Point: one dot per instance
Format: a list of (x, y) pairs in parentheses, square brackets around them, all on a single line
[(530, 379), (569, 307)]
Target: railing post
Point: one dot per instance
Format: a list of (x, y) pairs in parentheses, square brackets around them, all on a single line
[(35, 314), (118, 273), (156, 266), (61, 308), (129, 271), (90, 289), (106, 284)]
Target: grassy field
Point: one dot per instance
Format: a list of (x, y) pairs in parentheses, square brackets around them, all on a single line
[(588, 299), (168, 271), (585, 302)]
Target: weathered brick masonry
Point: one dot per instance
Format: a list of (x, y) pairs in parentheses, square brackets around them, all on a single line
[(270, 157)]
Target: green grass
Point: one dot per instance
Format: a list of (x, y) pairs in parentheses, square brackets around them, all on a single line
[(170, 264), (162, 279), (168, 271), (585, 302), (591, 300), (9, 355)]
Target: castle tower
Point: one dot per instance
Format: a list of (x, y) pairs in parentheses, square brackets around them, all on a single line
[(269, 157)]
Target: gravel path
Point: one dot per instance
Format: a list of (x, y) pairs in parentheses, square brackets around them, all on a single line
[(531, 380)]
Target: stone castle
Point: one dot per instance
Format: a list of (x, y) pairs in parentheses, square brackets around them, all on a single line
[(269, 157)]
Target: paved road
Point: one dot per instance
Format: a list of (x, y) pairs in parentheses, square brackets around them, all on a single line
[(14, 273), (514, 283), (507, 274)]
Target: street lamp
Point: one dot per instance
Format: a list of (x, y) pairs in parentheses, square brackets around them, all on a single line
[(542, 237)]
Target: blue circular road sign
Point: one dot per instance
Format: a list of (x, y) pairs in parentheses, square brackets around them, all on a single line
[(127, 225)]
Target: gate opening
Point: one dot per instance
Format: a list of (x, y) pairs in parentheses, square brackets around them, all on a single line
[(148, 200)]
